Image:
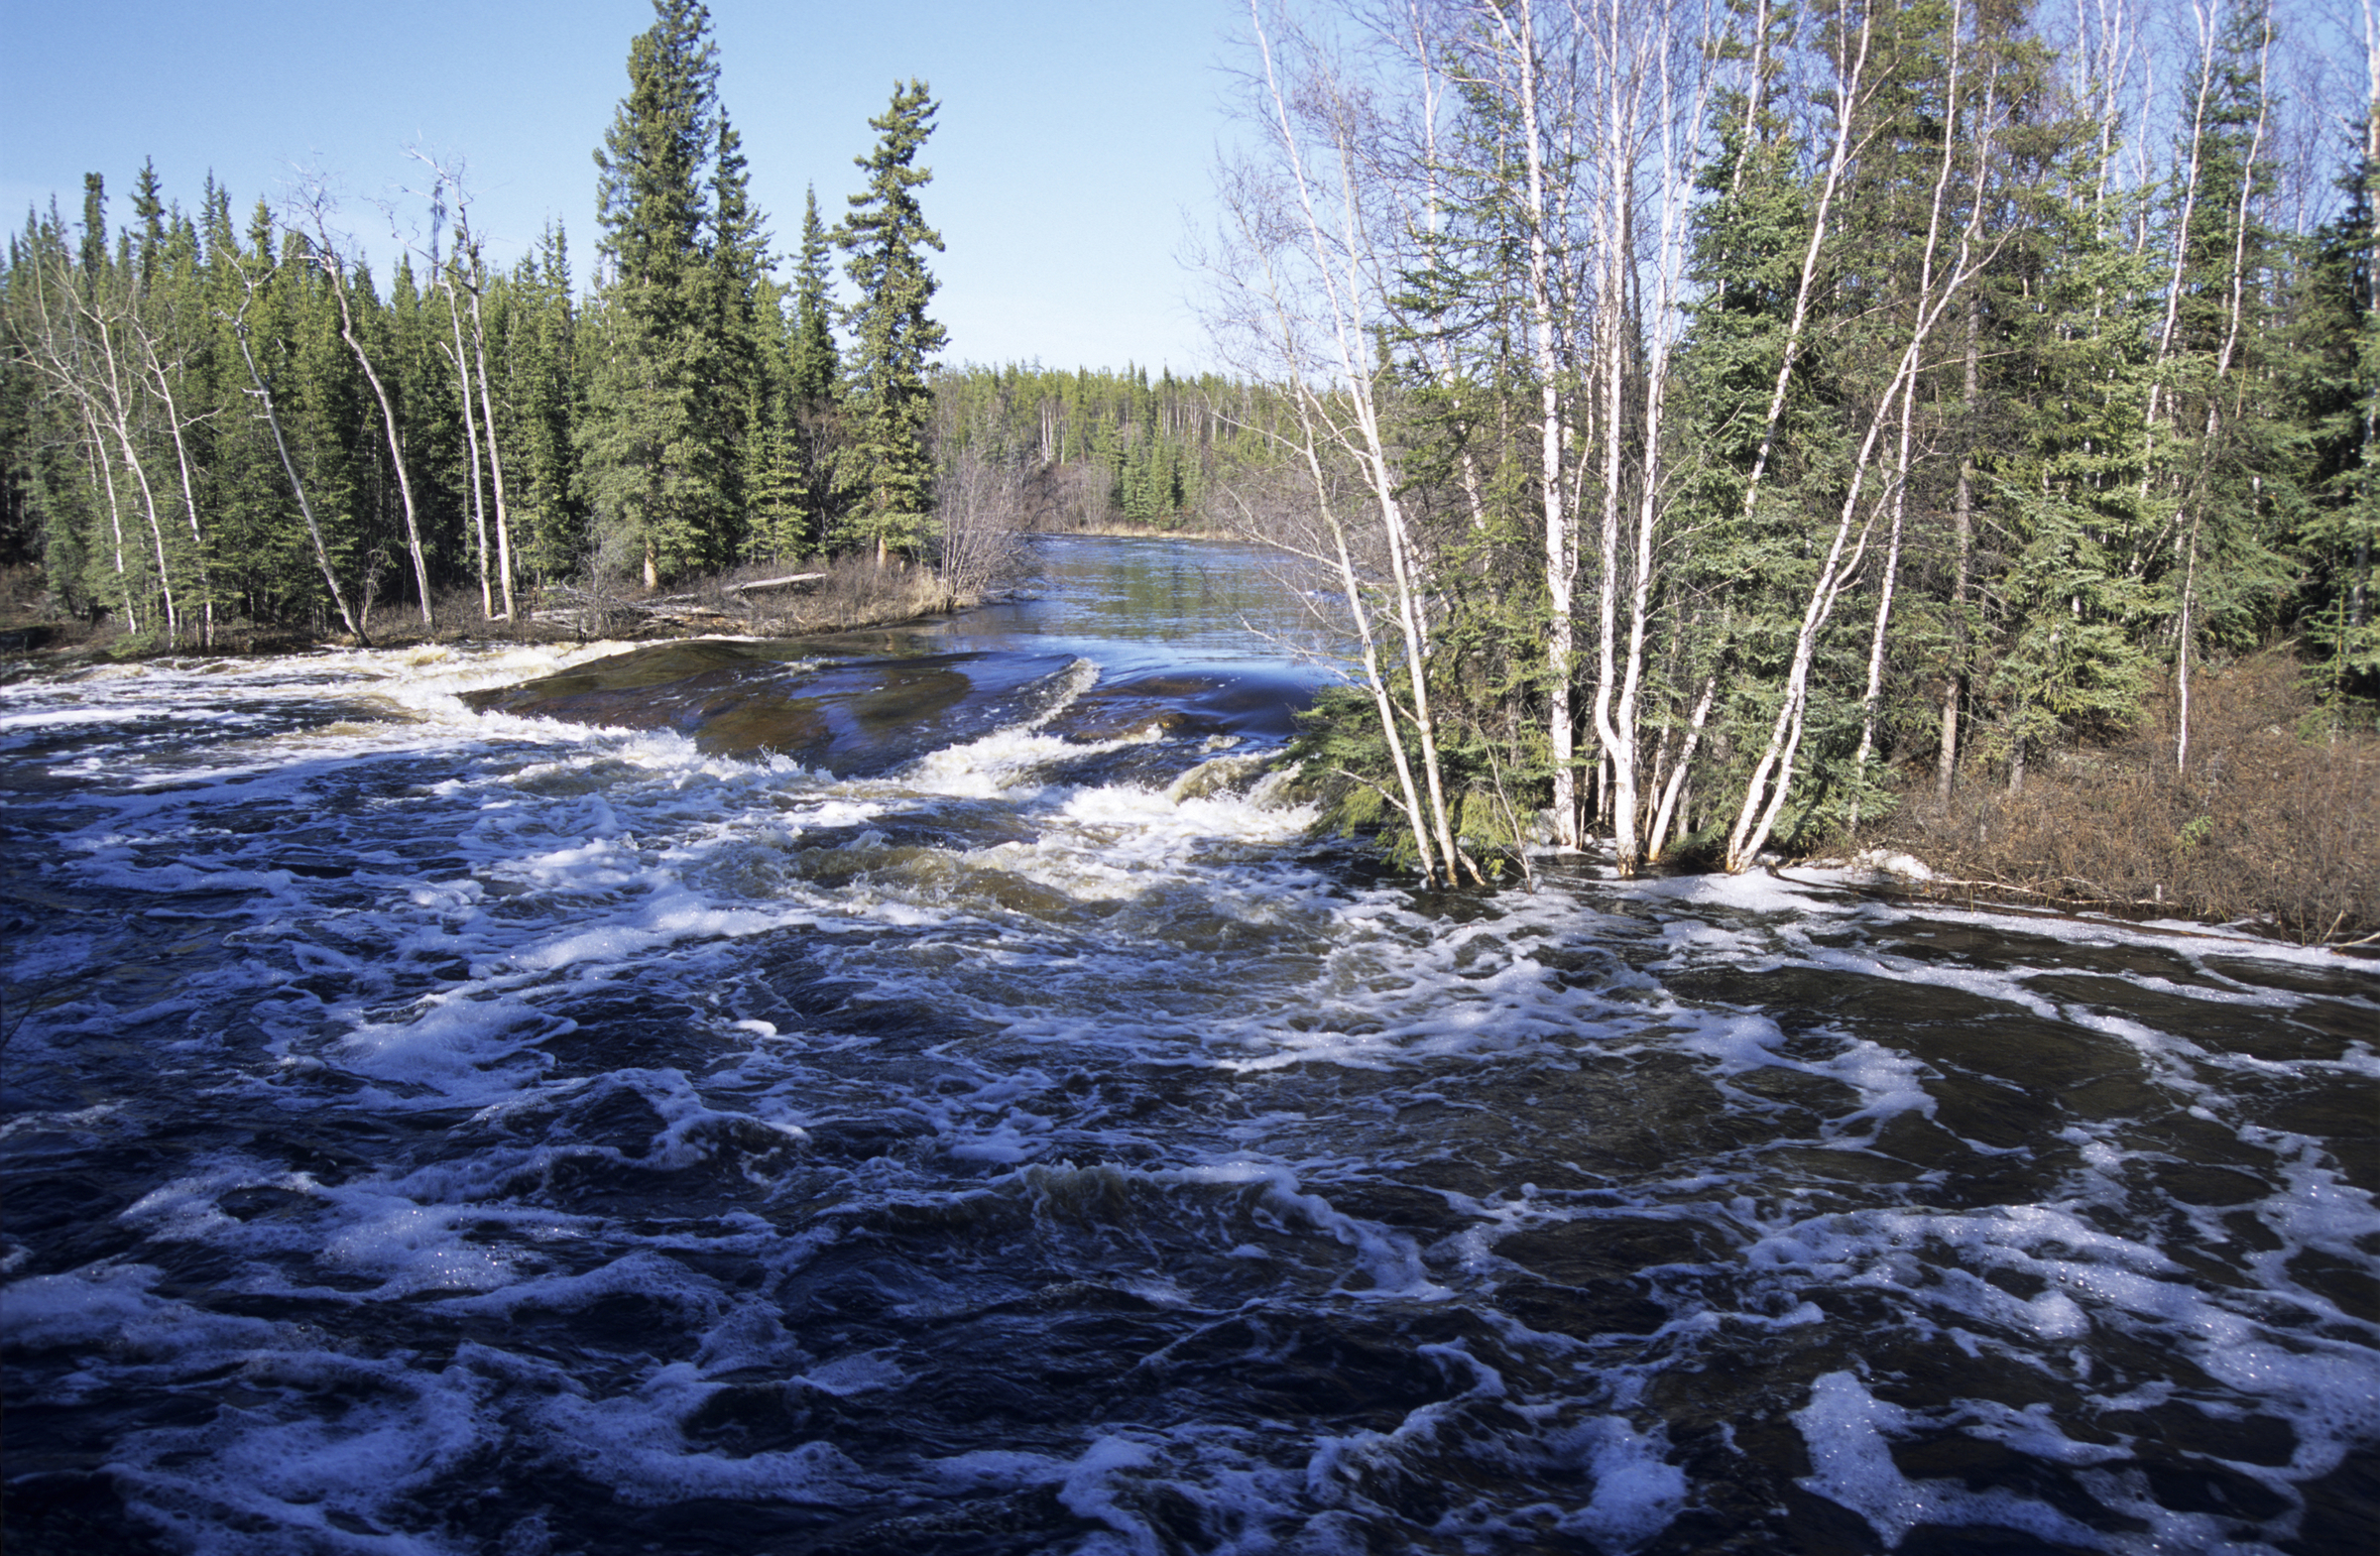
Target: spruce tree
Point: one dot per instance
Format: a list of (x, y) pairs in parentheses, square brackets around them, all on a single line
[(893, 338), (808, 437), (544, 394), (2338, 324), (814, 365), (653, 464), (740, 411)]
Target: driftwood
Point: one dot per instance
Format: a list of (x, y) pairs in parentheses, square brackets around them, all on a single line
[(590, 612), (786, 582)]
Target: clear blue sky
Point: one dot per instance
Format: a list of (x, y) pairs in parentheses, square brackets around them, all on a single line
[(1074, 134)]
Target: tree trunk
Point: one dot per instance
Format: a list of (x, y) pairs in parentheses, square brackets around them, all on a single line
[(1673, 794), (479, 512), (190, 499), (1348, 410), (330, 579), (103, 466), (504, 532), (1772, 775), (1561, 528), (336, 267), (1962, 520)]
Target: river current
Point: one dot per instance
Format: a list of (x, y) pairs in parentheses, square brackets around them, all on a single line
[(927, 1091)]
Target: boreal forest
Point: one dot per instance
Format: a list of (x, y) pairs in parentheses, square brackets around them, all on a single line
[(1710, 426)]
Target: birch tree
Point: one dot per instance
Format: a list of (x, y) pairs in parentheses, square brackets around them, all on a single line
[(329, 254), (1765, 790), (463, 273), (1307, 220)]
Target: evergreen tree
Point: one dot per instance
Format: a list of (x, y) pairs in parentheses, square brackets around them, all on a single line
[(894, 339), (542, 398), (2340, 325), (741, 410), (792, 447), (814, 368), (655, 466)]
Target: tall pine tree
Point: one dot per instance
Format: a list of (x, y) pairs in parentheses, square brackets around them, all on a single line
[(656, 464), (893, 338)]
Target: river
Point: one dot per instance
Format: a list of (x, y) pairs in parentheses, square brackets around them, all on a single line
[(925, 1092)]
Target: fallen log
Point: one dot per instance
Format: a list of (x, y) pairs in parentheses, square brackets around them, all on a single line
[(786, 582)]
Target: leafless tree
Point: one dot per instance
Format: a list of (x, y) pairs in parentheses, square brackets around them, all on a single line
[(264, 395), (315, 205), (1312, 240), (980, 513), (463, 270)]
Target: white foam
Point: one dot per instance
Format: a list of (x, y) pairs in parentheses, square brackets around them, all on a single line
[(1637, 1492), (110, 1307)]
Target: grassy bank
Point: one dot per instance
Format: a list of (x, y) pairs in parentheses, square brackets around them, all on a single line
[(844, 594), (2275, 821)]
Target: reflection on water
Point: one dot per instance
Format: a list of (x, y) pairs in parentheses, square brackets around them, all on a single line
[(1152, 603), (923, 1092)]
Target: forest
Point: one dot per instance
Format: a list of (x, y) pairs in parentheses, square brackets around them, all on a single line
[(1727, 426), (1763, 425), (213, 424)]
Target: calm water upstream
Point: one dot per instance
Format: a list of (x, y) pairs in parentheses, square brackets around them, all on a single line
[(923, 1093)]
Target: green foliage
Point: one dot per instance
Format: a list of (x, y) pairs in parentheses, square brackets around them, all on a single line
[(1155, 453), (894, 338), (673, 384), (796, 443)]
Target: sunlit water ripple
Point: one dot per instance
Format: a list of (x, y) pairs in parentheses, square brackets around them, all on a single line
[(927, 1093)]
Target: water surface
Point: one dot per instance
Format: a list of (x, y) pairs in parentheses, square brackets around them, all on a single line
[(925, 1092)]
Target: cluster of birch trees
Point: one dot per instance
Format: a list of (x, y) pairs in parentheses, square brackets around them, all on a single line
[(1704, 401), (205, 424)]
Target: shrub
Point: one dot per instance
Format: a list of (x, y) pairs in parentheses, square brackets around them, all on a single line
[(2276, 820)]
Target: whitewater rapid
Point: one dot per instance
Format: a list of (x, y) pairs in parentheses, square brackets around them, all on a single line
[(431, 1130)]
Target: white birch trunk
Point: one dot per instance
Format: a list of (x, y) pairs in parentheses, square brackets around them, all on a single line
[(2236, 304), (313, 530), (504, 531), (118, 419), (1560, 530), (1349, 332), (334, 265), (479, 512), (189, 497), (1872, 697), (104, 464)]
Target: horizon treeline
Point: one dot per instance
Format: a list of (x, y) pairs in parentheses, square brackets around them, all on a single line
[(1708, 410), (211, 418), (1153, 455)]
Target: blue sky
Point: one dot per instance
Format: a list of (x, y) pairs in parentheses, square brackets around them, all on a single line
[(1073, 144)]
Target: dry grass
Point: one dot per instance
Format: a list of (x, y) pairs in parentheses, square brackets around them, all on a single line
[(2276, 821), (854, 593), (850, 593)]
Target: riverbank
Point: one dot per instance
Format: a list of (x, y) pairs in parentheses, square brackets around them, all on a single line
[(846, 594), (2274, 824), (1122, 530)]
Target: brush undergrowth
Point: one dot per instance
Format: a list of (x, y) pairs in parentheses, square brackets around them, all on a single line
[(2276, 821)]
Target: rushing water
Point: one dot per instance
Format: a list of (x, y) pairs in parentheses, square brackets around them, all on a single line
[(924, 1092)]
